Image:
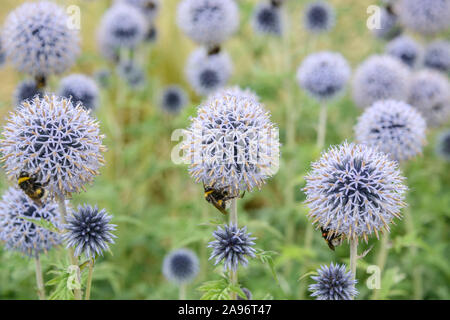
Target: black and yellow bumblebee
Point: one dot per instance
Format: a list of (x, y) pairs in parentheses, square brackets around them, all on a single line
[(219, 197), (334, 240), (32, 187)]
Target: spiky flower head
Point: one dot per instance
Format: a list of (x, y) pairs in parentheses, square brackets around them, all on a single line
[(208, 22), (181, 266), (232, 90), (54, 139), (394, 127), (268, 18), (38, 40), (122, 25), (406, 49), (25, 90), (380, 77), (425, 16), (88, 231), (232, 144), (232, 245), (389, 27), (173, 99), (149, 8), (333, 283), (354, 190), (207, 73), (132, 73), (430, 94), (437, 56), (82, 89), (324, 75), (23, 235), (443, 145), (319, 16)]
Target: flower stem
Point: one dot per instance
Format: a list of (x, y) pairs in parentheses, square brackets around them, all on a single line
[(73, 260), (182, 292), (89, 280), (39, 279), (353, 256), (381, 260), (234, 221), (322, 127)]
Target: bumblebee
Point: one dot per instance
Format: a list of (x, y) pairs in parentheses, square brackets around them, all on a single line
[(219, 197), (30, 184), (332, 241)]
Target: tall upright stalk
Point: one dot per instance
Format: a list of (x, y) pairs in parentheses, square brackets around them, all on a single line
[(322, 127), (234, 221), (353, 256), (89, 280), (39, 279), (182, 292), (381, 260)]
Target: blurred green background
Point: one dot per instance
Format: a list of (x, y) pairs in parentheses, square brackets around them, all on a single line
[(157, 207)]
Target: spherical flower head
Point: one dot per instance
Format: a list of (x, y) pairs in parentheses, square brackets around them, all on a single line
[(122, 25), (268, 19), (354, 191), (149, 8), (132, 73), (406, 49), (233, 91), (232, 144), (380, 77), (437, 56), (207, 73), (23, 235), (425, 16), (81, 89), (26, 90), (181, 266), (333, 283), (173, 99), (208, 22), (394, 127), (443, 145), (324, 75), (38, 40), (232, 245), (389, 27), (88, 230), (319, 17), (54, 139), (430, 94)]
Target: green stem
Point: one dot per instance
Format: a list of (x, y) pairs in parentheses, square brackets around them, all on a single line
[(39, 279), (381, 261), (234, 221), (89, 280), (182, 291), (417, 269), (353, 256), (322, 127)]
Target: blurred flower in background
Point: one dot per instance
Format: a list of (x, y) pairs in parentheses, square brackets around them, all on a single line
[(181, 266)]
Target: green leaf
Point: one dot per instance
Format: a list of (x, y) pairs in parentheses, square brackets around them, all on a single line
[(266, 258)]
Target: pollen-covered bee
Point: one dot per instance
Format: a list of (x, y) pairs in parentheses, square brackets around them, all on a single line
[(219, 197), (332, 240), (32, 187)]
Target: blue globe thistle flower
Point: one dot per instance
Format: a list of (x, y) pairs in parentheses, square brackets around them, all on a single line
[(23, 235), (122, 25), (354, 191), (233, 91), (380, 77), (394, 127), (268, 18), (207, 73), (430, 94), (26, 90), (173, 99), (333, 283), (232, 246), (248, 294), (181, 266), (88, 231), (437, 56), (132, 73), (406, 49), (232, 144), (324, 75), (149, 8), (55, 138), (425, 16), (319, 17), (103, 77), (443, 145), (208, 22), (38, 41), (389, 27), (81, 89)]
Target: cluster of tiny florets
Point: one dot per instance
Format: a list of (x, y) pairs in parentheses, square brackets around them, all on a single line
[(437, 56), (380, 77), (443, 145), (37, 39), (233, 91), (324, 75), (354, 190), (406, 49), (181, 266), (81, 89), (23, 235), (319, 17), (232, 245), (429, 93), (232, 144), (208, 22), (88, 231), (26, 90), (173, 99), (425, 16), (268, 19), (57, 140), (394, 127), (333, 283)]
